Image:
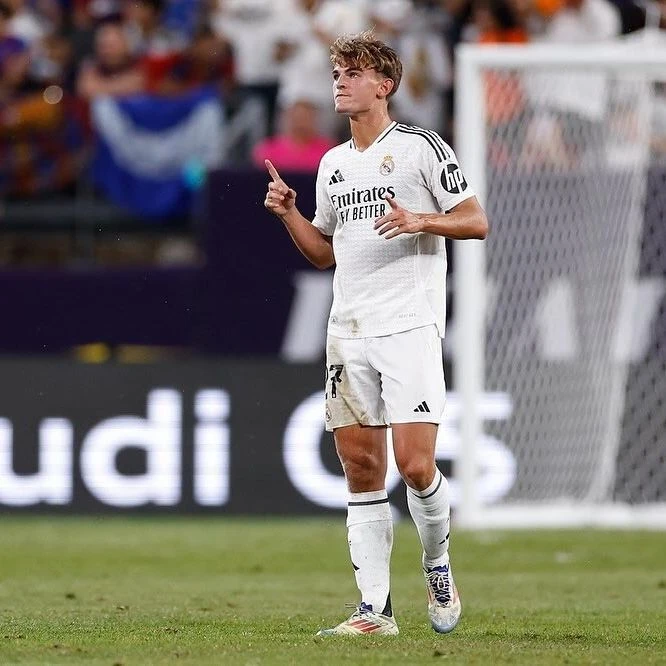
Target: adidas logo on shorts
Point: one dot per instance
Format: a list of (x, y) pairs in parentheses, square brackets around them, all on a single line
[(423, 407)]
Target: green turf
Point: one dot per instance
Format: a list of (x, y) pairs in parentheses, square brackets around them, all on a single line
[(218, 591)]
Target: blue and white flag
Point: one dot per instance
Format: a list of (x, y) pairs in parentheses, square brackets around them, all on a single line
[(151, 148)]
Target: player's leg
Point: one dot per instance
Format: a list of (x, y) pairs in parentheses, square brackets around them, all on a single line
[(414, 391), (414, 446), (353, 396), (362, 452), (427, 488)]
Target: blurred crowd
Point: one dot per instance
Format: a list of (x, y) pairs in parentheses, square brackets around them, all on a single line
[(266, 59)]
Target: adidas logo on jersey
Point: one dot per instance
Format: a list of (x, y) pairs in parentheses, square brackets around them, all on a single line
[(336, 178), (423, 407)]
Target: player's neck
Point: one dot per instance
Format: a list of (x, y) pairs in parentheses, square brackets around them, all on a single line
[(367, 127)]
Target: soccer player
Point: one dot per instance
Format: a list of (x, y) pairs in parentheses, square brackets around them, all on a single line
[(386, 201)]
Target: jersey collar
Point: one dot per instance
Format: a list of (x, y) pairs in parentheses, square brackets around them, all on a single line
[(381, 137)]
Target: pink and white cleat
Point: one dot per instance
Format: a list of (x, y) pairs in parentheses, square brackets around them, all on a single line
[(364, 621)]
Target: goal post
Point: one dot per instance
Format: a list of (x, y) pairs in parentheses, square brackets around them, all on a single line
[(556, 140)]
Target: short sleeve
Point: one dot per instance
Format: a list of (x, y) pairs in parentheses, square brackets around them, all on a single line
[(325, 218), (443, 175)]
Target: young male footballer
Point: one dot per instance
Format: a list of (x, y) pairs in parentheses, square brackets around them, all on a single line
[(386, 201)]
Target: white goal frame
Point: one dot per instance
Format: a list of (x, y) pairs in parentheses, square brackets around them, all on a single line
[(469, 285)]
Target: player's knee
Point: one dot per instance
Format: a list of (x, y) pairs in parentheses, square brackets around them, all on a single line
[(416, 472)]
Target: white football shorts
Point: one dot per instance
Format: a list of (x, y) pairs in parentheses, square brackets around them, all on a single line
[(395, 378)]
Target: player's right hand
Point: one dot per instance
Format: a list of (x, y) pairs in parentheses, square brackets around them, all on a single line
[(280, 198)]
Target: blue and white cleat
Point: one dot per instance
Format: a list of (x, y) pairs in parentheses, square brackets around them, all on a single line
[(444, 607), (364, 621)]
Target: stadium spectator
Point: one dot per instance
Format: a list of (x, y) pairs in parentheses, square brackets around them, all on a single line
[(389, 18), (27, 23), (207, 60), (422, 98), (300, 146), (113, 70), (583, 21), (254, 28), (498, 22), (157, 47), (51, 62), (85, 16), (14, 56), (41, 141), (306, 70)]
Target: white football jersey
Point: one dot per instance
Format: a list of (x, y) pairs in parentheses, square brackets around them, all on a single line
[(383, 286)]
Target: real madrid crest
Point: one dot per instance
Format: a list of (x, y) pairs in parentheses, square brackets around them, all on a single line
[(387, 165)]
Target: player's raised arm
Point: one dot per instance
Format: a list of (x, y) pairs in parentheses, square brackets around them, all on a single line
[(281, 201)]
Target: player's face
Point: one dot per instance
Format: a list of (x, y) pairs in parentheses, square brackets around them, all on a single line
[(356, 90)]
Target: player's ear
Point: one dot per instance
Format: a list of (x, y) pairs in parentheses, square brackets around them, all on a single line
[(385, 88)]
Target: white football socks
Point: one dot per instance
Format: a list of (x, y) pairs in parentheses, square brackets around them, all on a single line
[(370, 535), (430, 511)]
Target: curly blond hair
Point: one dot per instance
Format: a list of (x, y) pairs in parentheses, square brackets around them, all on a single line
[(365, 51)]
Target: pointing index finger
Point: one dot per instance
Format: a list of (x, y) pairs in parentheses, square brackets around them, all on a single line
[(273, 172)]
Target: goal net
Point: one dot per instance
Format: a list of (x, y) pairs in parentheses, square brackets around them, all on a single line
[(561, 309)]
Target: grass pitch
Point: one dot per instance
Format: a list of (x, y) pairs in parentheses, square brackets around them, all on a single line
[(143, 591)]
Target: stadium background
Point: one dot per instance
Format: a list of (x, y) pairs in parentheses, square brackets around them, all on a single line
[(131, 263)]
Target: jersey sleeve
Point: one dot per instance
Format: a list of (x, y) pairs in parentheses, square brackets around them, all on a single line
[(443, 175), (325, 218)]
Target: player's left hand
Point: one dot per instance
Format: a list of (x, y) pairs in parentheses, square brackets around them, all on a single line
[(398, 221)]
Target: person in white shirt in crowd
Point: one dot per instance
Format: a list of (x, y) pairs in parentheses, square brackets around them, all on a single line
[(254, 28), (416, 31), (583, 21), (26, 23), (304, 52)]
